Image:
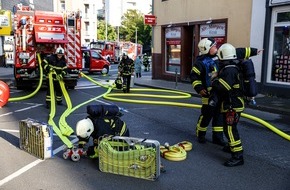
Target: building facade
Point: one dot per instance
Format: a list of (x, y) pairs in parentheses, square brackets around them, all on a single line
[(46, 5), (89, 16), (262, 24), (113, 10)]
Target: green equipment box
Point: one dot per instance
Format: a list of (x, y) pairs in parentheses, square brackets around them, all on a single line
[(129, 156)]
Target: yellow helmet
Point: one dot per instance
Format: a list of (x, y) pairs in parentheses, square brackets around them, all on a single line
[(227, 52), (84, 128), (205, 44)]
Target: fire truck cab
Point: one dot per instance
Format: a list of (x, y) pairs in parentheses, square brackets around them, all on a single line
[(109, 50), (93, 61), (43, 32)]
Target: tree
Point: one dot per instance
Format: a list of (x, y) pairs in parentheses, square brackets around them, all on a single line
[(101, 32), (131, 21)]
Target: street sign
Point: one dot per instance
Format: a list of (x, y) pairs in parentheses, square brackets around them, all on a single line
[(150, 19)]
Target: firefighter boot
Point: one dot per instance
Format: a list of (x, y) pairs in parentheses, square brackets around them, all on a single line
[(236, 160), (201, 137), (217, 138)]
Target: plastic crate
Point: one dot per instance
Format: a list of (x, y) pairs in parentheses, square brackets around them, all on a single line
[(129, 156), (36, 138)]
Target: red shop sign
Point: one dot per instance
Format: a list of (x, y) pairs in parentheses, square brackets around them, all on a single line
[(150, 19)]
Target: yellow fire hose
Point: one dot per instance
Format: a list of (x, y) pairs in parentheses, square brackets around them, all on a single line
[(64, 139), (120, 97), (179, 154), (175, 152), (116, 97), (64, 127)]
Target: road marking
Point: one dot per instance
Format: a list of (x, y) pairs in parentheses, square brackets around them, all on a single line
[(32, 164), (19, 172), (10, 130), (20, 110)]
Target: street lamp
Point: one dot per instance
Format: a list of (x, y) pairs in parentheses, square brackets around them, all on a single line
[(136, 43)]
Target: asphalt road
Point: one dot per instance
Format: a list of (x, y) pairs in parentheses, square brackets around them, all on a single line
[(267, 158)]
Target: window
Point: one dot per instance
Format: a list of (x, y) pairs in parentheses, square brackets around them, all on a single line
[(173, 49), (279, 56), (62, 5)]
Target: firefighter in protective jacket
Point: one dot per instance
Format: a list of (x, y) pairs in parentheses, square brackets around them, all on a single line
[(125, 70), (201, 72), (55, 63), (102, 120), (227, 85)]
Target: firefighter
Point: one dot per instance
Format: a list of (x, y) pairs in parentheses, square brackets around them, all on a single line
[(204, 66), (96, 126), (55, 63), (146, 62), (125, 70), (230, 93)]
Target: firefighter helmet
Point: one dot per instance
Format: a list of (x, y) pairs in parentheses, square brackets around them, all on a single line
[(227, 52), (84, 128), (205, 44), (59, 50)]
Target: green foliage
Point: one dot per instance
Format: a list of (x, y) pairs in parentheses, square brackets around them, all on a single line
[(101, 32), (131, 20)]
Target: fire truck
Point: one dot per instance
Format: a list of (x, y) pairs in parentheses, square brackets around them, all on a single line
[(132, 49), (43, 32), (109, 50)]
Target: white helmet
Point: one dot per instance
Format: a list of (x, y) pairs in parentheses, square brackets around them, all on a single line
[(227, 52), (84, 128), (59, 50), (205, 44)]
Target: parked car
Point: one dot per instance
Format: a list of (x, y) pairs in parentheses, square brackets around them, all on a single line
[(93, 61)]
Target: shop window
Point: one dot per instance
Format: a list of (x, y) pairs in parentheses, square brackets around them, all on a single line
[(280, 56), (173, 49), (173, 55)]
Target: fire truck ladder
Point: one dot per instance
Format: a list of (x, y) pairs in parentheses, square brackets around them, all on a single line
[(71, 46)]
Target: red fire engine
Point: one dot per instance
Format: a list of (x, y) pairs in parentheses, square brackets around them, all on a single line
[(42, 32), (109, 50), (132, 49)]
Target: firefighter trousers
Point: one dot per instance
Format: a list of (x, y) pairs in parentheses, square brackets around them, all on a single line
[(232, 135), (208, 114), (58, 92), (126, 82)]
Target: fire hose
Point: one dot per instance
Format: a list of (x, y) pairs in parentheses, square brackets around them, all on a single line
[(177, 152), (122, 98)]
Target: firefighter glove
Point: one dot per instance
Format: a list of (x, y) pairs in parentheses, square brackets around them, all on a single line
[(59, 77), (47, 68), (203, 92)]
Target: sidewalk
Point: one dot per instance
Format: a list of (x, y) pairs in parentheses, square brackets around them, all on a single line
[(264, 103)]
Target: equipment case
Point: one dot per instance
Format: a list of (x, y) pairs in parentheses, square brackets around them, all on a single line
[(36, 138), (129, 156)]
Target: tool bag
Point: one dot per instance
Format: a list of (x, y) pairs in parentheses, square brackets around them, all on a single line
[(129, 156)]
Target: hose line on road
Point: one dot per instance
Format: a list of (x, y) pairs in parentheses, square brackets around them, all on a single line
[(122, 98)]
